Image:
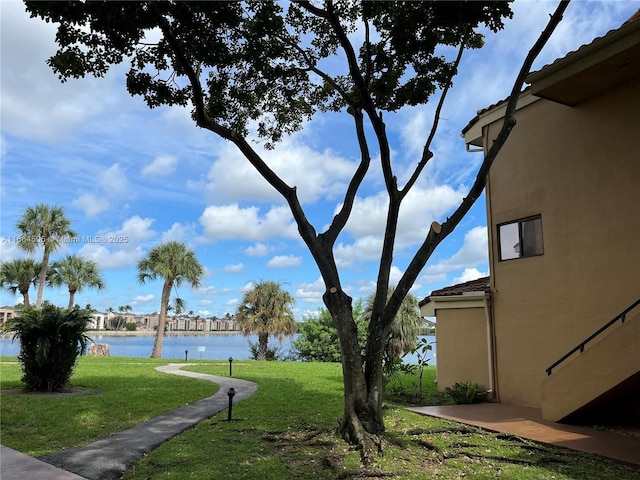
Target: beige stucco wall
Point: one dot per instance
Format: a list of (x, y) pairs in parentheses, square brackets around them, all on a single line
[(461, 337), (580, 169)]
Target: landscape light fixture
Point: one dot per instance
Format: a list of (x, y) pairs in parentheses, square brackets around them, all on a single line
[(230, 363), (231, 392)]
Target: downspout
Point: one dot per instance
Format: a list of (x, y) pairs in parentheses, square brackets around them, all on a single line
[(490, 348)]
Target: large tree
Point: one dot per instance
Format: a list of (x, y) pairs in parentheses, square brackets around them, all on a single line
[(174, 263), (18, 275), (262, 64), (266, 309), (76, 273), (44, 226)]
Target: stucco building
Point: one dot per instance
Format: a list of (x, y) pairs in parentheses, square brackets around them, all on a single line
[(563, 208)]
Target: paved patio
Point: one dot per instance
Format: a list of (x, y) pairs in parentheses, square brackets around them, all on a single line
[(527, 422)]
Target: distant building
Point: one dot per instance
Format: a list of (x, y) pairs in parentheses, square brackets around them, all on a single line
[(6, 314)]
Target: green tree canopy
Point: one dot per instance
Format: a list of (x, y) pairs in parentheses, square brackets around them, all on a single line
[(174, 263), (266, 309), (43, 226), (76, 273), (18, 275)]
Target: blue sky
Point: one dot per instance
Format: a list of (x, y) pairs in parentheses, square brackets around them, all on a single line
[(130, 178)]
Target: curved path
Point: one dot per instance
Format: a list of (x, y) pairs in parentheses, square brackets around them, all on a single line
[(110, 457)]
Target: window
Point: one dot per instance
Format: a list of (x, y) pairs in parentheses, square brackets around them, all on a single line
[(522, 238)]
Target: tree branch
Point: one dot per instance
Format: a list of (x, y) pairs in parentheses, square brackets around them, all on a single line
[(434, 238), (289, 193), (427, 154), (340, 219)]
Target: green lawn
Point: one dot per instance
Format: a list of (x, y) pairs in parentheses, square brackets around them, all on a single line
[(285, 431), (128, 391)]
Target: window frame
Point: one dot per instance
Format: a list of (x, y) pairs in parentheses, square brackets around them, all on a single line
[(519, 222)]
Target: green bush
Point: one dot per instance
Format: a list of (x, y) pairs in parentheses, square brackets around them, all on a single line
[(318, 339), (50, 341), (464, 392), (131, 327)]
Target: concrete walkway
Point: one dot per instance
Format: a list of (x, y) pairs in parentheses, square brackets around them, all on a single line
[(527, 422), (109, 458)]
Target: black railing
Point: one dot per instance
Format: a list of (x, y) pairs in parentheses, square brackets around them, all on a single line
[(621, 316)]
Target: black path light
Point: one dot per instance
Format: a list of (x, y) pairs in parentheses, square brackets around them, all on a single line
[(231, 392), (230, 363), (186, 354)]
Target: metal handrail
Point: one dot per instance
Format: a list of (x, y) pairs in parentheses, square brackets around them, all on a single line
[(580, 347)]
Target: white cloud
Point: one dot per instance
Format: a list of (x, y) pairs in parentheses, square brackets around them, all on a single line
[(284, 261), (315, 174), (233, 222), (310, 292), (10, 250), (236, 268), (114, 181), (118, 248), (246, 287), (109, 259), (90, 204), (179, 232), (143, 299), (468, 275), (161, 166), (474, 251), (212, 290), (364, 249), (367, 221), (257, 250)]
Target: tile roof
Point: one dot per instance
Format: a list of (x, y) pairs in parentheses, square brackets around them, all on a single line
[(479, 285)]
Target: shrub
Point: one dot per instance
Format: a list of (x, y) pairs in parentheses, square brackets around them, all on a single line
[(50, 341), (464, 392), (273, 353), (131, 327)]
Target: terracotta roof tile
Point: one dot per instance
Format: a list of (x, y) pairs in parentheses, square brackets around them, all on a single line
[(479, 285)]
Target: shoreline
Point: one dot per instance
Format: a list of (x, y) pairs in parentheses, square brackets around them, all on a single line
[(149, 333)]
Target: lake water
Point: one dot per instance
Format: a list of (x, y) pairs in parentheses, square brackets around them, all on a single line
[(205, 347)]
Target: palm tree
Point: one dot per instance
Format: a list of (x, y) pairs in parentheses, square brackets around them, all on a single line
[(266, 310), (405, 327), (45, 226), (175, 263), (18, 275), (76, 273)]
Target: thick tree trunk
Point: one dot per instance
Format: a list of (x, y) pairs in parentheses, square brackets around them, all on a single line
[(156, 352), (362, 421), (263, 341)]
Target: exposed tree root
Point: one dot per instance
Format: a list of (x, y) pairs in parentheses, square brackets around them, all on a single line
[(358, 474), (430, 431)]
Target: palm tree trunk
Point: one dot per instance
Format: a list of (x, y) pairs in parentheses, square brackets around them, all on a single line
[(263, 340), (72, 294), (162, 320), (25, 298), (43, 276)]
